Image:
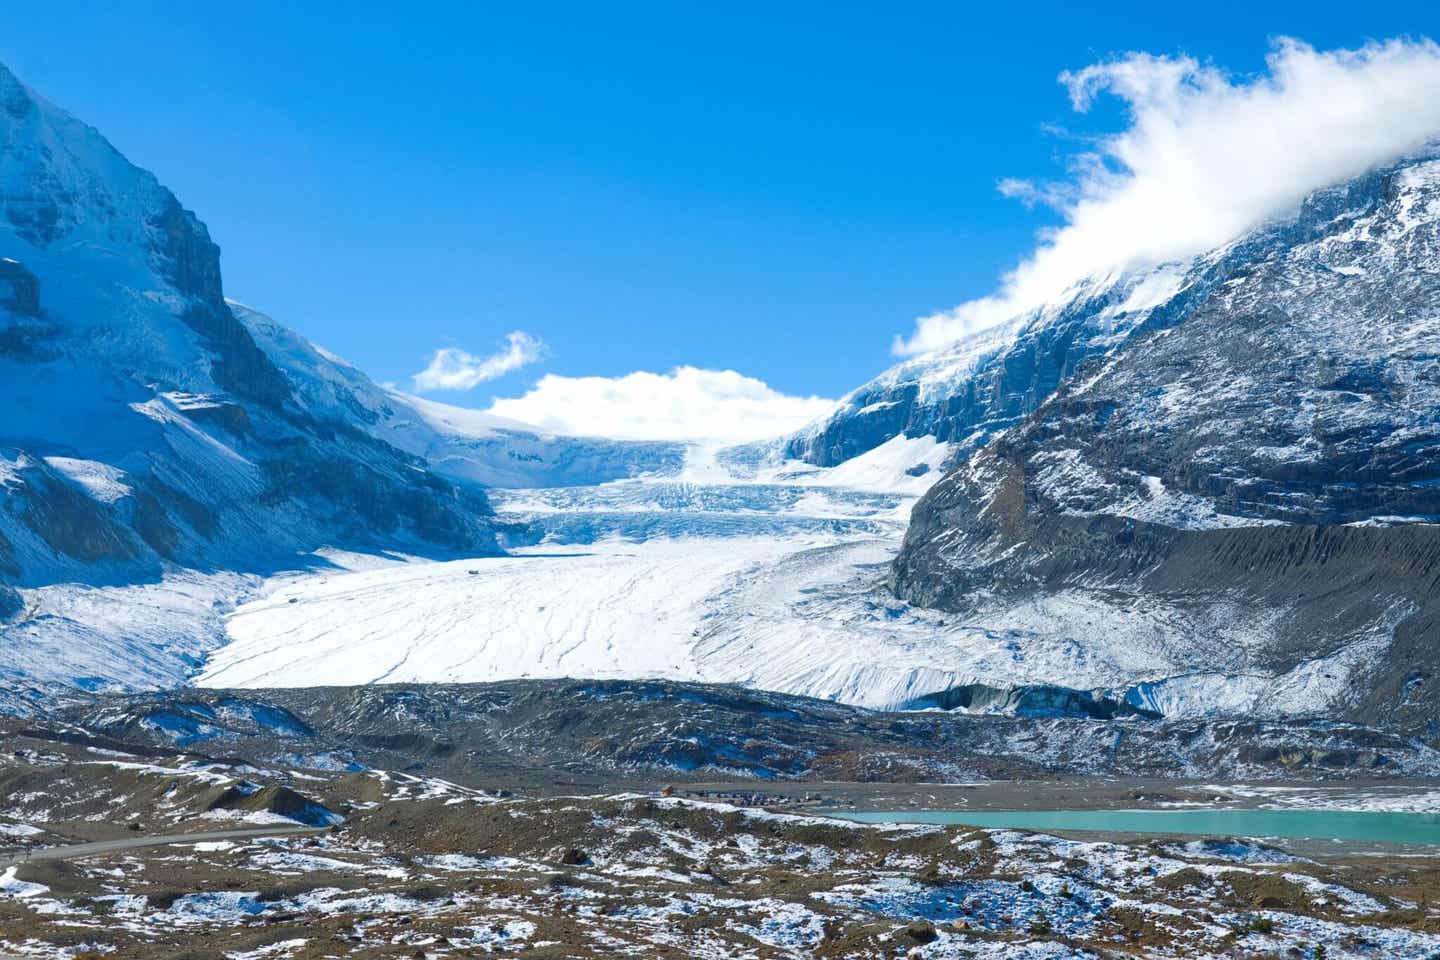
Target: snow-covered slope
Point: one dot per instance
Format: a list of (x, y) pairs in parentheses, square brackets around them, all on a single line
[(145, 433), (467, 445)]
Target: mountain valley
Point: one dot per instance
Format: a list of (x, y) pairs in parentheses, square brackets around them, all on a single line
[(298, 664)]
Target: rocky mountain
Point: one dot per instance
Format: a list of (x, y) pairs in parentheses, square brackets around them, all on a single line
[(964, 394), (1251, 478), (464, 444), (145, 429), (143, 422)]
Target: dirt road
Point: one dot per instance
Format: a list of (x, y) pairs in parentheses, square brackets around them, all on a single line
[(74, 850)]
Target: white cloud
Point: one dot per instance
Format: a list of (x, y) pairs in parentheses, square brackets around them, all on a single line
[(1204, 158), (686, 404), (454, 369)]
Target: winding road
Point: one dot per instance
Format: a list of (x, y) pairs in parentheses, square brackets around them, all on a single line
[(94, 848)]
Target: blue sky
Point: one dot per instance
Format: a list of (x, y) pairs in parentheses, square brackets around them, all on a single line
[(777, 191)]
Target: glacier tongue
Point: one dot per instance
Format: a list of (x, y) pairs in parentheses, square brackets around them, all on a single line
[(771, 576), (631, 578)]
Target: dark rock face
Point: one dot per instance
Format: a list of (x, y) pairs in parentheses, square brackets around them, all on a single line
[(1031, 700), (19, 289), (984, 384), (8, 565), (24, 333), (365, 502), (189, 259), (183, 248), (11, 604), (1274, 451), (68, 521), (239, 366)]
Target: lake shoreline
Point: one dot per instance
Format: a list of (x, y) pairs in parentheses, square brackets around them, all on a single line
[(1088, 793), (1097, 794)]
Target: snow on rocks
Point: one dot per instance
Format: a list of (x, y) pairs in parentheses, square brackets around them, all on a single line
[(706, 879), (19, 889)]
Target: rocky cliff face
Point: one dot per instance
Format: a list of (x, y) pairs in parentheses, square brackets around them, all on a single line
[(463, 444), (1256, 478), (967, 393), (144, 426)]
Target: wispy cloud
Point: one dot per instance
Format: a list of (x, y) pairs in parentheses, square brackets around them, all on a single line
[(454, 369), (1205, 157), (686, 404)]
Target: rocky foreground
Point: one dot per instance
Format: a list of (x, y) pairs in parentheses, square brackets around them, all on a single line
[(368, 861), (422, 868)]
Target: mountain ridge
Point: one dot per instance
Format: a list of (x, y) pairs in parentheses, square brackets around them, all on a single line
[(1267, 464)]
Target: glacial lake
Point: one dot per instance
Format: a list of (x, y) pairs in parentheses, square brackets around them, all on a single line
[(1379, 827)]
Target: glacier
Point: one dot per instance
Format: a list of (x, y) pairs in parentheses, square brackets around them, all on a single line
[(628, 578)]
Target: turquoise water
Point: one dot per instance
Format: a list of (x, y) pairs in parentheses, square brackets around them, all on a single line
[(1417, 828)]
